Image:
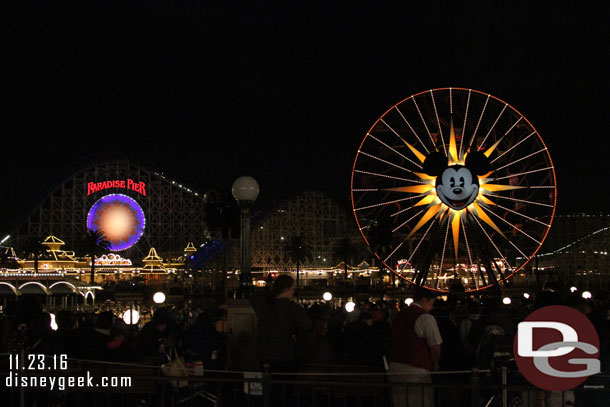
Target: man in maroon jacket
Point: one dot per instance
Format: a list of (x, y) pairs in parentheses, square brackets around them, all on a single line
[(414, 351)]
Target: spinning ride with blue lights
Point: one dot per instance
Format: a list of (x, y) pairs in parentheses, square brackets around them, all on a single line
[(119, 218)]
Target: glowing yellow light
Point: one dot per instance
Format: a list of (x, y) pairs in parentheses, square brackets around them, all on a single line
[(425, 201), (419, 155), (432, 211), (492, 148), (413, 188), (453, 154), (485, 218)]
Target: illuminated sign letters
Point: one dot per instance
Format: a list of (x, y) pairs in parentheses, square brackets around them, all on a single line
[(130, 184)]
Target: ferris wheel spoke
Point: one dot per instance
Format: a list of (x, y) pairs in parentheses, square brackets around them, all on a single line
[(444, 246), (394, 251), (392, 148), (407, 208), (438, 122), (450, 102), (413, 131), (492, 242), (514, 146), (465, 120), (422, 239), (471, 263), (521, 201), (523, 173), (406, 221), (513, 126), (474, 135), (466, 240), (521, 159), (492, 126), (514, 227), (418, 181), (424, 122), (387, 202), (524, 216), (385, 162)]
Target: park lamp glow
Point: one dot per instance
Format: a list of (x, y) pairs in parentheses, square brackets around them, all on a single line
[(159, 297), (409, 301), (350, 306), (573, 289), (131, 317), (327, 296), (586, 295), (526, 296), (5, 239), (506, 301)]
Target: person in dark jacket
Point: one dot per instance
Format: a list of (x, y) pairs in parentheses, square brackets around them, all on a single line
[(202, 342), (156, 338), (67, 339), (282, 325), (99, 336)]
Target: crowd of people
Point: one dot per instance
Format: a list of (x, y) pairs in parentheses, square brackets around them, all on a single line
[(428, 335)]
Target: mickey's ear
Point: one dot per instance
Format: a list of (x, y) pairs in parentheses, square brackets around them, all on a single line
[(435, 164), (478, 163)]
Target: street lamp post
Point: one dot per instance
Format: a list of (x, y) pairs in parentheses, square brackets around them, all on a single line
[(245, 190)]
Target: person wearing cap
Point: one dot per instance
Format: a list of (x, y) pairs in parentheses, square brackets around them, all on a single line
[(415, 350)]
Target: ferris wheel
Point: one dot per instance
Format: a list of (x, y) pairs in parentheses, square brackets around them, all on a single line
[(452, 184)]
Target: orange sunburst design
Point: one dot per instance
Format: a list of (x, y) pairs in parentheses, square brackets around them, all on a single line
[(453, 153), (432, 211), (436, 207)]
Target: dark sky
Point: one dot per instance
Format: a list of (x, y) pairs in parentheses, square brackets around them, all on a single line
[(286, 92)]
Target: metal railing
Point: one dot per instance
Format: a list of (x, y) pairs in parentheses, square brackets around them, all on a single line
[(331, 385)]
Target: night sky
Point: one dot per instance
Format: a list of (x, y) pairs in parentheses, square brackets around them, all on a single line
[(286, 92)]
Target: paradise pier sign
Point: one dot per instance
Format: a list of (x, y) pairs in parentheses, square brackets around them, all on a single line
[(137, 186)]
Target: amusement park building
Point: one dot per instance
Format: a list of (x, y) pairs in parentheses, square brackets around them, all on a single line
[(173, 215), (315, 215), (577, 248)]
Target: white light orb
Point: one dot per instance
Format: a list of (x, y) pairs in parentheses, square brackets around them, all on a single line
[(245, 189), (506, 301), (327, 296), (350, 306), (53, 323), (409, 301), (131, 317), (586, 295), (526, 296), (159, 298), (573, 289)]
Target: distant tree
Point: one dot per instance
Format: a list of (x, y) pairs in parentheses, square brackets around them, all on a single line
[(297, 251), (345, 251), (36, 249), (94, 245)]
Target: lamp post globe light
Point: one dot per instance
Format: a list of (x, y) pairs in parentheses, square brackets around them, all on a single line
[(245, 190), (159, 298)]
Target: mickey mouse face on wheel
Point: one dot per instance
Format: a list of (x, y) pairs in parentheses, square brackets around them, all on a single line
[(457, 186)]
